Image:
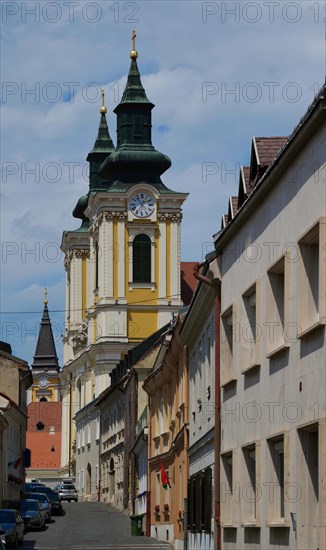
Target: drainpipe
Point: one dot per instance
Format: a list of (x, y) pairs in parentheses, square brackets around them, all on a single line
[(217, 476), (70, 420), (149, 452), (216, 283)]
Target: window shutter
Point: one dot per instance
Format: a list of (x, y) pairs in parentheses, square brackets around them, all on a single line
[(199, 502), (207, 492), (141, 259)]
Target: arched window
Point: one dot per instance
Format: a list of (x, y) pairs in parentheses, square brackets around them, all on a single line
[(141, 259), (43, 399), (40, 426)]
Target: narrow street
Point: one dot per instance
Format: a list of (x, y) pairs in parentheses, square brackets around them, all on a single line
[(87, 525)]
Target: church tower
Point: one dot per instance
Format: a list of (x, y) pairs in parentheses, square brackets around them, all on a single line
[(123, 263), (45, 366), (44, 410)]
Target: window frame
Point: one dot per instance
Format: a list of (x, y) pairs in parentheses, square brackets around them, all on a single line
[(306, 321), (149, 230)]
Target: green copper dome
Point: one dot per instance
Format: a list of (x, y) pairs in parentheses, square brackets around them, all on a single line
[(135, 159)]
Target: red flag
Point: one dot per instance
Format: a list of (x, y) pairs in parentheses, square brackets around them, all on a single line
[(18, 461), (164, 478)]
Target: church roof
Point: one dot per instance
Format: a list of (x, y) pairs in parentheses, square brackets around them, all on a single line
[(45, 354)]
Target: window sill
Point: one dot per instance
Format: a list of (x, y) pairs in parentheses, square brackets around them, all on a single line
[(277, 350), (250, 367), (277, 523), (315, 326), (134, 286), (228, 381), (229, 525), (250, 525)]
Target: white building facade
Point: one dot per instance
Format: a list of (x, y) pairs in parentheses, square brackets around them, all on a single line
[(87, 453), (198, 333)]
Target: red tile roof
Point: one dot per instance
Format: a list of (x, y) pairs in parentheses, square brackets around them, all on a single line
[(268, 147), (188, 282), (234, 205), (245, 172)]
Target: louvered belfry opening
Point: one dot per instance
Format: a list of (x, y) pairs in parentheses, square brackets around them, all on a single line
[(141, 259)]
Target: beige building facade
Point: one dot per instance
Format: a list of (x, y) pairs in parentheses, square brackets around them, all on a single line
[(271, 257), (168, 439)]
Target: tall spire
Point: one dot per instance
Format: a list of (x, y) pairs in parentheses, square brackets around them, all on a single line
[(103, 147), (103, 143), (135, 159), (45, 357)]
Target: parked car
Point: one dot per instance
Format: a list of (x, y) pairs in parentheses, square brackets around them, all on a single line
[(32, 514), (68, 491), (30, 486), (45, 503), (13, 526), (2, 540), (53, 497)]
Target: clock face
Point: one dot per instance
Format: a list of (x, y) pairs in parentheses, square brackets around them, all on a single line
[(43, 381), (141, 205)]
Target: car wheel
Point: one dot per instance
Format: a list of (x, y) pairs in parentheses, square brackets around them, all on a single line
[(76, 500)]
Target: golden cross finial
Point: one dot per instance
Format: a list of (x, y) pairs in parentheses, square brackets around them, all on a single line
[(103, 108), (133, 53), (45, 296)]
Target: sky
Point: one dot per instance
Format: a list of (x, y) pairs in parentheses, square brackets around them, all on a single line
[(218, 73)]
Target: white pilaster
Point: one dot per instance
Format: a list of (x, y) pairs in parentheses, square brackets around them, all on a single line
[(121, 259), (162, 260), (175, 262)]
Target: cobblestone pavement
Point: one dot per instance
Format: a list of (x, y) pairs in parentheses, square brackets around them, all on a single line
[(91, 525)]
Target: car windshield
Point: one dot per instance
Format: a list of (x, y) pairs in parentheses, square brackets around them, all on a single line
[(26, 505), (68, 486), (42, 497), (51, 494), (7, 516)]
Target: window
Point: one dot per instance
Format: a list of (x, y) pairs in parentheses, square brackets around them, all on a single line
[(200, 501), (40, 426), (308, 506), (228, 372), (161, 415), (250, 491), (277, 304), (311, 278), (97, 436), (251, 328), (141, 259), (52, 430), (227, 489), (277, 473)]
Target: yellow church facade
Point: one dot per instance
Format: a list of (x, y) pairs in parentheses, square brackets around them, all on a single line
[(123, 263)]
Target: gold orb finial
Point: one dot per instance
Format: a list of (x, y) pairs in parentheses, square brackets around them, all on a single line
[(103, 110), (45, 296), (133, 53)]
